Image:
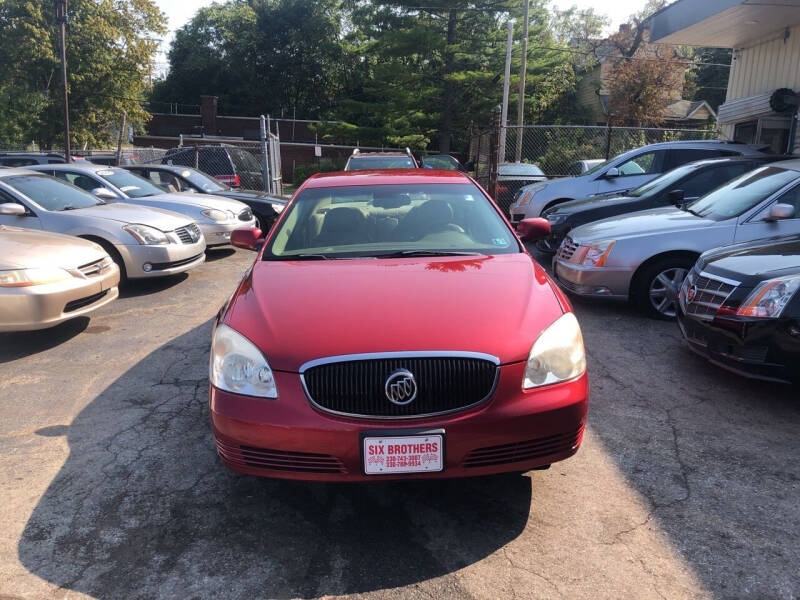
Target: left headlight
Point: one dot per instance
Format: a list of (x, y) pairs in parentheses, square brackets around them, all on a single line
[(556, 218), (770, 297), (219, 216), (237, 366), (558, 354), (146, 235), (29, 277), (595, 255)]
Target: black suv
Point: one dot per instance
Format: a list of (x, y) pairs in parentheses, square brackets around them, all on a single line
[(740, 307), (26, 159), (232, 165)]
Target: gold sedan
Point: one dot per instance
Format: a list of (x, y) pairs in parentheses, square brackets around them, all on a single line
[(48, 278)]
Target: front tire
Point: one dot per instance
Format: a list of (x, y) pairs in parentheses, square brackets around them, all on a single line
[(657, 286)]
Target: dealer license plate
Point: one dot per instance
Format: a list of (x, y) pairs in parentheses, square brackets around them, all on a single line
[(403, 454)]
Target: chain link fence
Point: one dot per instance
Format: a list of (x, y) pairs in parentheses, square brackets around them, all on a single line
[(557, 148)]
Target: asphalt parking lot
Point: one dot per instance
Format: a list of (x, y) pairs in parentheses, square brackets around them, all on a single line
[(687, 484)]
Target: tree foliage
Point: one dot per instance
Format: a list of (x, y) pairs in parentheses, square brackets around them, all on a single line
[(110, 49)]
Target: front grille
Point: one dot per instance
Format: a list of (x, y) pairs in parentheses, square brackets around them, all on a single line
[(189, 234), (522, 451), (358, 387), (246, 215), (566, 249), (81, 302), (97, 267), (702, 294), (175, 263), (280, 460)]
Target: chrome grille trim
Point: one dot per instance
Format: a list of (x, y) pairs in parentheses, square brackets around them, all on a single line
[(567, 249), (189, 234), (97, 267), (712, 292)]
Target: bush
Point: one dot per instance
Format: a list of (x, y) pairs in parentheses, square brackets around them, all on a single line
[(326, 165)]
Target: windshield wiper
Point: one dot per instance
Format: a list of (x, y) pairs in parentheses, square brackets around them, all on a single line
[(300, 257), (70, 207), (404, 253)]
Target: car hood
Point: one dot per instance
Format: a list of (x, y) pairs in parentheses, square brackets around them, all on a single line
[(206, 201), (576, 206), (300, 311), (122, 212), (641, 223), (759, 260), (26, 248)]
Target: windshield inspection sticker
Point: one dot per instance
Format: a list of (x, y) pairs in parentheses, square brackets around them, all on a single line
[(500, 242)]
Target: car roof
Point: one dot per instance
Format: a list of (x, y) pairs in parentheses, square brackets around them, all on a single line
[(10, 171), (385, 177), (378, 154), (793, 164), (726, 160), (74, 166)]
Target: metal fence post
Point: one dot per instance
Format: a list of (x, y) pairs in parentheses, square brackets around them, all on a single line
[(608, 140), (264, 156), (196, 157), (119, 140), (494, 152)]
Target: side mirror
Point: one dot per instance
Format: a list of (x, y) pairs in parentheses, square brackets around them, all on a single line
[(104, 193), (12, 209), (249, 238), (612, 172), (676, 197), (531, 230), (779, 211)]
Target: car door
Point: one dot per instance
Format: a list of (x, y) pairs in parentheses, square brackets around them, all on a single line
[(757, 227), (633, 172), (29, 220)]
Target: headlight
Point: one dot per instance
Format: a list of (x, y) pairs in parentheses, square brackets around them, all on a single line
[(557, 355), (556, 218), (237, 366), (220, 216), (146, 235), (529, 194), (770, 297), (595, 255), (29, 277)]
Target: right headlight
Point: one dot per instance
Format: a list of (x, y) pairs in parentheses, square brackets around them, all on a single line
[(237, 366), (558, 354), (33, 276), (770, 298), (146, 235), (218, 216), (595, 255)]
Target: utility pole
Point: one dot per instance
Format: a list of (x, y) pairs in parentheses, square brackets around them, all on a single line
[(523, 70), (61, 23), (501, 157)]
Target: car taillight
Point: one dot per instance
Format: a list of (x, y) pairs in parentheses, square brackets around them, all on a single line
[(231, 180)]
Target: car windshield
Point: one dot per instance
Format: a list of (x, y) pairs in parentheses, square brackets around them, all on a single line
[(440, 162), (519, 169), (205, 182), (390, 220), (660, 183), (51, 193), (386, 162), (601, 166), (743, 193), (130, 184)]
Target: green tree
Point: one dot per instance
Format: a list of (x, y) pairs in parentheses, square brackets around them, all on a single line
[(110, 50)]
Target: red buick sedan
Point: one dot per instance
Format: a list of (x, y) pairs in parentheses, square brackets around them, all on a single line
[(393, 326)]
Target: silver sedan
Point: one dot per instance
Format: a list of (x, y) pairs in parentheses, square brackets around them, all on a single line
[(645, 255), (217, 217), (144, 242)]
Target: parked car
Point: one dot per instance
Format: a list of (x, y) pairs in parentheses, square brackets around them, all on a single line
[(740, 308), (511, 177), (215, 216), (441, 161), (232, 165), (25, 159), (48, 278), (352, 373), (174, 178), (370, 161), (108, 159), (645, 255), (684, 184), (623, 173), (579, 167), (144, 242)]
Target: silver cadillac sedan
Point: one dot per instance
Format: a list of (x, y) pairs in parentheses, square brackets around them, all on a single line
[(217, 217), (144, 242), (47, 278), (644, 256)]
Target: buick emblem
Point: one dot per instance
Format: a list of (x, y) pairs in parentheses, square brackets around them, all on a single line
[(691, 293), (401, 387)]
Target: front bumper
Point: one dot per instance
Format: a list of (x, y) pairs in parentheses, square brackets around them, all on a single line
[(288, 438), (43, 306), (602, 282), (164, 260), (767, 349), (219, 234)]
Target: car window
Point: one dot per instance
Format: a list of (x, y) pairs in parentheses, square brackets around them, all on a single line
[(204, 182), (168, 181), (82, 181), (376, 220), (244, 161), (50, 193), (17, 162), (743, 193), (701, 183), (523, 170), (680, 156), (440, 162), (792, 198), (130, 184), (388, 162), (642, 164)]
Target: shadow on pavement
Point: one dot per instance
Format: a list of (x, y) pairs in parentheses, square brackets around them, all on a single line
[(144, 508), (144, 287), (214, 254), (26, 343)]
